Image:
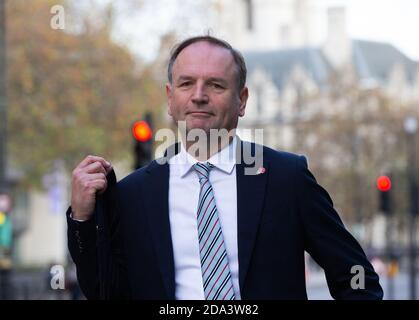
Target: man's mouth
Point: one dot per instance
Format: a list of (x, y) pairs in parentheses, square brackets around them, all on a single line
[(200, 113)]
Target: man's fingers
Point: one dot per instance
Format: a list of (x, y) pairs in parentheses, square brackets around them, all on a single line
[(95, 167), (109, 169), (91, 159), (95, 176), (98, 184)]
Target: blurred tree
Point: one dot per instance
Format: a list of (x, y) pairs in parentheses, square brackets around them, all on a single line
[(71, 92)]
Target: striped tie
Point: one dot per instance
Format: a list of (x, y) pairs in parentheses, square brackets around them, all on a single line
[(216, 274)]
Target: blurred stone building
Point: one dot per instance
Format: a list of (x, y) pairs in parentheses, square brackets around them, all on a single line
[(288, 60)]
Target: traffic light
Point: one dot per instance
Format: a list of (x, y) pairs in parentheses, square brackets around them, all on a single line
[(5, 221), (143, 143), (384, 187), (5, 231), (414, 197)]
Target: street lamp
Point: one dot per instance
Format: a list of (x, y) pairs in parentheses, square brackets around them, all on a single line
[(410, 127)]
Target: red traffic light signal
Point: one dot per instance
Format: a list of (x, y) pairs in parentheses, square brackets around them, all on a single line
[(384, 187), (383, 183), (141, 131)]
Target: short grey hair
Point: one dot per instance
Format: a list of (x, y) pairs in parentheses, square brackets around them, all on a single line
[(237, 56)]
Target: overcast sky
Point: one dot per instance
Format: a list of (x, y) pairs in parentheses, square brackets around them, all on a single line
[(392, 21)]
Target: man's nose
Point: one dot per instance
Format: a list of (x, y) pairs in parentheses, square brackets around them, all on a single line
[(200, 95)]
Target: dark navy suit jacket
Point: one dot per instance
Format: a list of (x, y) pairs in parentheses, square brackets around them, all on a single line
[(127, 252)]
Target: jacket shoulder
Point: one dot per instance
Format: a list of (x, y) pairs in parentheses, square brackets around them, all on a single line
[(140, 175), (134, 178), (282, 157)]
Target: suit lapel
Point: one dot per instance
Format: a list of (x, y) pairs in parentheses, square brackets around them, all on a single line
[(250, 199), (157, 204)]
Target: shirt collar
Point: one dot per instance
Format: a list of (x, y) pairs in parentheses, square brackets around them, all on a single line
[(223, 160)]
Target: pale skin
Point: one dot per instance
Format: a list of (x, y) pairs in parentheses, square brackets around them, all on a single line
[(88, 179), (204, 93)]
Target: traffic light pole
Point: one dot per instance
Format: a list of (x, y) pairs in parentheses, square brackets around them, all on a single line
[(390, 259), (386, 207), (413, 212), (412, 260)]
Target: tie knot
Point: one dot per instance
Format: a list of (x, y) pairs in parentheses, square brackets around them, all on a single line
[(203, 169)]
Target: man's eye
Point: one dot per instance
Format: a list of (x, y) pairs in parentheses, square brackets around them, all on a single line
[(217, 86), (185, 84)]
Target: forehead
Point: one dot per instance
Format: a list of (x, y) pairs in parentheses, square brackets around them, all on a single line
[(204, 59)]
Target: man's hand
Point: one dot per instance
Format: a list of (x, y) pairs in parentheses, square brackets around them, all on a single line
[(88, 178)]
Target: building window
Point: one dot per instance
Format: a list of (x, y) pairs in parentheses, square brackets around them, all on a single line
[(285, 32), (249, 14), (259, 101)]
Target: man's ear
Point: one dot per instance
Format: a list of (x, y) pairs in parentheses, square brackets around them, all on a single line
[(244, 95), (169, 98)]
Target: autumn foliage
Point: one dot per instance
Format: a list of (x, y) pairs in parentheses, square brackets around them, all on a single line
[(70, 92)]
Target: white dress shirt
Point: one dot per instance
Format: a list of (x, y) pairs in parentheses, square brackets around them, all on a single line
[(184, 190)]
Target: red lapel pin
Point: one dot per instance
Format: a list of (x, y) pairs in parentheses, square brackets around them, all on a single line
[(261, 170)]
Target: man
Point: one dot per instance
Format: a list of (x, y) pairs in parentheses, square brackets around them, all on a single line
[(202, 228)]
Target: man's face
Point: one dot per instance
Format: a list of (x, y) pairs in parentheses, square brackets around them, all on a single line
[(204, 90)]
